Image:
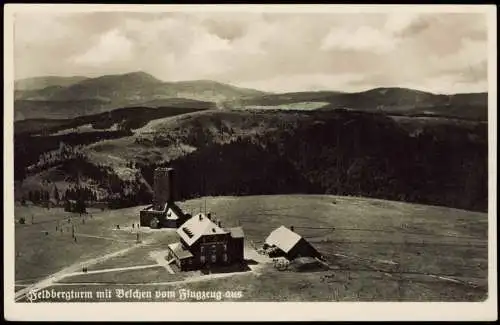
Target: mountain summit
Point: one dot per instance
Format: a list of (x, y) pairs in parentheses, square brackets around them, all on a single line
[(69, 97), (64, 99)]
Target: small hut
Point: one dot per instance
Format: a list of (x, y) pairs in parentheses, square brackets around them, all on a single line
[(287, 243)]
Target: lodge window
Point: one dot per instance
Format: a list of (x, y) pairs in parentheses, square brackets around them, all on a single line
[(202, 249), (202, 259), (214, 258), (225, 247), (225, 257)]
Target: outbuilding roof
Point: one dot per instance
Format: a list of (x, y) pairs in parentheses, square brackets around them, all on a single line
[(196, 227), (173, 211), (283, 238)]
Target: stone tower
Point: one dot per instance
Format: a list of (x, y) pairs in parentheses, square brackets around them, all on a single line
[(164, 187)]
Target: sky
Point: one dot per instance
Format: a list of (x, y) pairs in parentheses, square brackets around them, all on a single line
[(276, 52)]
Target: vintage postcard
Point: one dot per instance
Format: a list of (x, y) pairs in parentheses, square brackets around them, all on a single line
[(250, 162)]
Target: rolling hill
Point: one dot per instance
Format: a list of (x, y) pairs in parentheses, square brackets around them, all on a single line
[(101, 94), (389, 100), (132, 117), (390, 143), (43, 109), (62, 98), (38, 83), (436, 161)]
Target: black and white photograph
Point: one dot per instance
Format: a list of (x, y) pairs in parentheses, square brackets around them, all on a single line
[(257, 154)]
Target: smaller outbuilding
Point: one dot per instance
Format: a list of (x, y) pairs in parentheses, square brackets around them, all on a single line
[(287, 243), (171, 216)]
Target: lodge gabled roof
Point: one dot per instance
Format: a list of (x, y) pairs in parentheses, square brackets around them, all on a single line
[(196, 227)]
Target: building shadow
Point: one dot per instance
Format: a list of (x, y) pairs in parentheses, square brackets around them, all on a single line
[(250, 261), (316, 269)]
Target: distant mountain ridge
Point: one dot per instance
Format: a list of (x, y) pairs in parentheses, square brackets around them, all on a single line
[(390, 100), (70, 97), (44, 82), (64, 99), (133, 87)]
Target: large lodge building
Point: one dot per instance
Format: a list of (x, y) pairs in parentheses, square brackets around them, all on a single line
[(204, 243)]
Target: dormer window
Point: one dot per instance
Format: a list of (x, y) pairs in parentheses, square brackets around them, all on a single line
[(188, 232)]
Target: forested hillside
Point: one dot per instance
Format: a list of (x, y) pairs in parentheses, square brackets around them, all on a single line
[(426, 160)]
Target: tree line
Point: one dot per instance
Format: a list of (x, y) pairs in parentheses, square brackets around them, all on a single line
[(342, 153), (346, 154)]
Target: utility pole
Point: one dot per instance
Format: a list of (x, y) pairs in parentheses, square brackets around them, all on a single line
[(205, 191), (338, 162)]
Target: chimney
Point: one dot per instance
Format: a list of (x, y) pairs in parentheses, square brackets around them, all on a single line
[(219, 224), (291, 228), (201, 216), (164, 187), (209, 216)]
